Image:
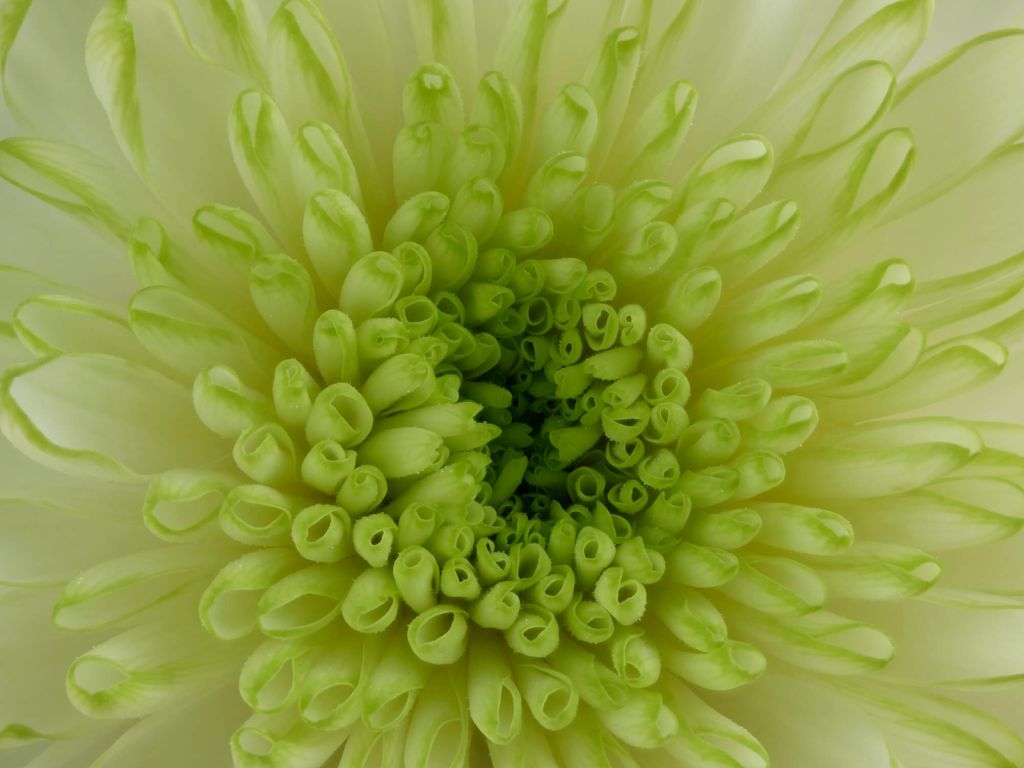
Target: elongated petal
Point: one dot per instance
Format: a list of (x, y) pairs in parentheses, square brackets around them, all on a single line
[(114, 590), (145, 669), (966, 74), (109, 440), (862, 741), (46, 545), (899, 456), (208, 720), (74, 181)]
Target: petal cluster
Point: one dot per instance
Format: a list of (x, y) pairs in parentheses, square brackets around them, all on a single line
[(486, 400)]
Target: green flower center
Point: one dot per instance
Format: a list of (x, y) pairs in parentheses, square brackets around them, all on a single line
[(498, 445)]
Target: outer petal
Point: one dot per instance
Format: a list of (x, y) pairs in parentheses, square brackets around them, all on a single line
[(942, 238), (102, 416), (45, 84), (982, 78), (37, 240), (953, 635), (41, 707), (734, 54), (925, 730), (173, 136), (77, 182), (46, 545), (803, 723), (156, 741), (955, 23)]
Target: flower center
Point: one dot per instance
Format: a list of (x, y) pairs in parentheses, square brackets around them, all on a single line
[(503, 449), (572, 391)]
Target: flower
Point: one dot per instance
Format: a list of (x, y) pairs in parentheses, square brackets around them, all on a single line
[(394, 386)]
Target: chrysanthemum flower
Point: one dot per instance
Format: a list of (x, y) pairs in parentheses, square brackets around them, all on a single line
[(393, 385)]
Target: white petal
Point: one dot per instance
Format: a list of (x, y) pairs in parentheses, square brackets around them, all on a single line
[(995, 566), (21, 477), (310, 80), (40, 239), (572, 42), (77, 182), (997, 401), (982, 78), (953, 513), (884, 30), (52, 324), (971, 226), (48, 545), (376, 64), (12, 351), (150, 667), (189, 335), (939, 639), (925, 730), (113, 591), (734, 54), (102, 416), (172, 133), (883, 458), (157, 741), (956, 22), (87, 745), (33, 659), (803, 723), (446, 33), (46, 85), (887, 32), (17, 285), (1001, 700)]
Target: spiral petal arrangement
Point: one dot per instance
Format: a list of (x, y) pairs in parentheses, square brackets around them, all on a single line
[(542, 383)]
